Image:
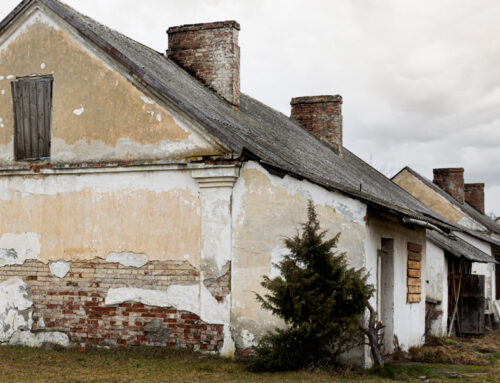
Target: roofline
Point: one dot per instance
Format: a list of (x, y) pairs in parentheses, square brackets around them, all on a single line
[(439, 244), (452, 200), (209, 124)]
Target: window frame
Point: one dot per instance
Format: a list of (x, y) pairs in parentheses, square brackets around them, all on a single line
[(45, 152)]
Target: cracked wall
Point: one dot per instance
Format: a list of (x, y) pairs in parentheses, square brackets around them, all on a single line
[(70, 217), (93, 304), (266, 209), (98, 114)]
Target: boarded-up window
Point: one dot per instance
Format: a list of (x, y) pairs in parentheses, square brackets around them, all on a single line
[(414, 277), (32, 97)]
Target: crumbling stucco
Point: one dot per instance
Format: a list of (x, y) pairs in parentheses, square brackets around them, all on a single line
[(274, 208), (16, 317), (15, 249), (107, 118), (128, 259), (195, 299), (15, 308), (69, 217), (59, 269)]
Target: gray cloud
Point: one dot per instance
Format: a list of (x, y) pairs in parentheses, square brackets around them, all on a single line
[(420, 79)]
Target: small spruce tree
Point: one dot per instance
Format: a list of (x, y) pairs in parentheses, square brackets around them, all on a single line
[(318, 296)]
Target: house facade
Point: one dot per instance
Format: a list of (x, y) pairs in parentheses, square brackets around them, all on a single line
[(143, 197), (463, 205)]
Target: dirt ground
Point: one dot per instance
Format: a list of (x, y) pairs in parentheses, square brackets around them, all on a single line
[(474, 360)]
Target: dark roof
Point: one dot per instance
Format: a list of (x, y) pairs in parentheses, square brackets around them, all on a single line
[(458, 247), (482, 219), (254, 129)]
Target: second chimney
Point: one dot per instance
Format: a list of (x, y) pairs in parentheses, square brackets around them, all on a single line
[(451, 180), (321, 115), (474, 196), (210, 52)]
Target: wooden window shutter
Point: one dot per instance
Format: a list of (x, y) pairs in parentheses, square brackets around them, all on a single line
[(414, 274), (32, 98)]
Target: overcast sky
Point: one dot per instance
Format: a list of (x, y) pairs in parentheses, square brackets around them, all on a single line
[(420, 79)]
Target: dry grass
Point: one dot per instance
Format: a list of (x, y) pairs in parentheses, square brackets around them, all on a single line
[(156, 365), (474, 351)]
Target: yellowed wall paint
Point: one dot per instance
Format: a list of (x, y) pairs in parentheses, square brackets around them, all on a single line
[(269, 213), (86, 224), (93, 104), (427, 196)]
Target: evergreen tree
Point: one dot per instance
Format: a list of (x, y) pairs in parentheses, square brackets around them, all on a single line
[(318, 296)]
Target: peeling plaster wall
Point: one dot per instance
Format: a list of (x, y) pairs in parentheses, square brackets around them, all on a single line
[(98, 114), (266, 209), (109, 304), (154, 215), (409, 319), (437, 287), (434, 201)]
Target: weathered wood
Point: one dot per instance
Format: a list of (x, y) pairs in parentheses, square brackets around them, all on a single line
[(414, 265), (414, 289), (414, 282), (32, 99), (414, 273), (471, 305), (414, 247), (414, 256), (414, 298)]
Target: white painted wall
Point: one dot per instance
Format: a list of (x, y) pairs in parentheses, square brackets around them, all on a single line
[(409, 319), (437, 285)]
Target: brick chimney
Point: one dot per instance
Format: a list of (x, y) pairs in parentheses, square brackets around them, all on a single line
[(451, 180), (210, 52), (321, 115), (474, 196)]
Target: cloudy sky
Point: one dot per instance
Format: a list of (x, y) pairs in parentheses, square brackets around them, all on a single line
[(420, 79)]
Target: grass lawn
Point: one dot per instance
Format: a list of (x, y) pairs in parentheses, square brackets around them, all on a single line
[(157, 365)]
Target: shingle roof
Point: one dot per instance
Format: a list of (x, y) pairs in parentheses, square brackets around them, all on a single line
[(254, 129), (458, 247), (482, 219)]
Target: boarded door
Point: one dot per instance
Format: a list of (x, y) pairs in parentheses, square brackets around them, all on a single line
[(471, 305)]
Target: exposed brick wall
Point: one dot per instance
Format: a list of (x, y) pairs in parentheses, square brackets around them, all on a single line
[(210, 52), (474, 196), (321, 115), (75, 305), (451, 180)]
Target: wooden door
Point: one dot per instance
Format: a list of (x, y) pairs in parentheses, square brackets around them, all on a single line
[(471, 305)]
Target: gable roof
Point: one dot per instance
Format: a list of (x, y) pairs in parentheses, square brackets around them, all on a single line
[(458, 247), (253, 130), (482, 219)]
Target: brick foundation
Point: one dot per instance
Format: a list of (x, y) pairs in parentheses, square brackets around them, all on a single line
[(75, 305)]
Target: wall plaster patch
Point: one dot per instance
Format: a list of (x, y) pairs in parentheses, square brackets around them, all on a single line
[(59, 269), (128, 259), (29, 339), (15, 249), (15, 308)]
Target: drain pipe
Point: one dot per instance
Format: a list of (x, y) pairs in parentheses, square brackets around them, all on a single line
[(424, 224)]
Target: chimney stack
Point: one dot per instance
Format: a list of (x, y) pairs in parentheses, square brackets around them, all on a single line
[(474, 196), (210, 52), (451, 180), (321, 115)]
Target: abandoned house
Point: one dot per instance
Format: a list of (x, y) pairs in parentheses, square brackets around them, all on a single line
[(463, 205), (143, 197)]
